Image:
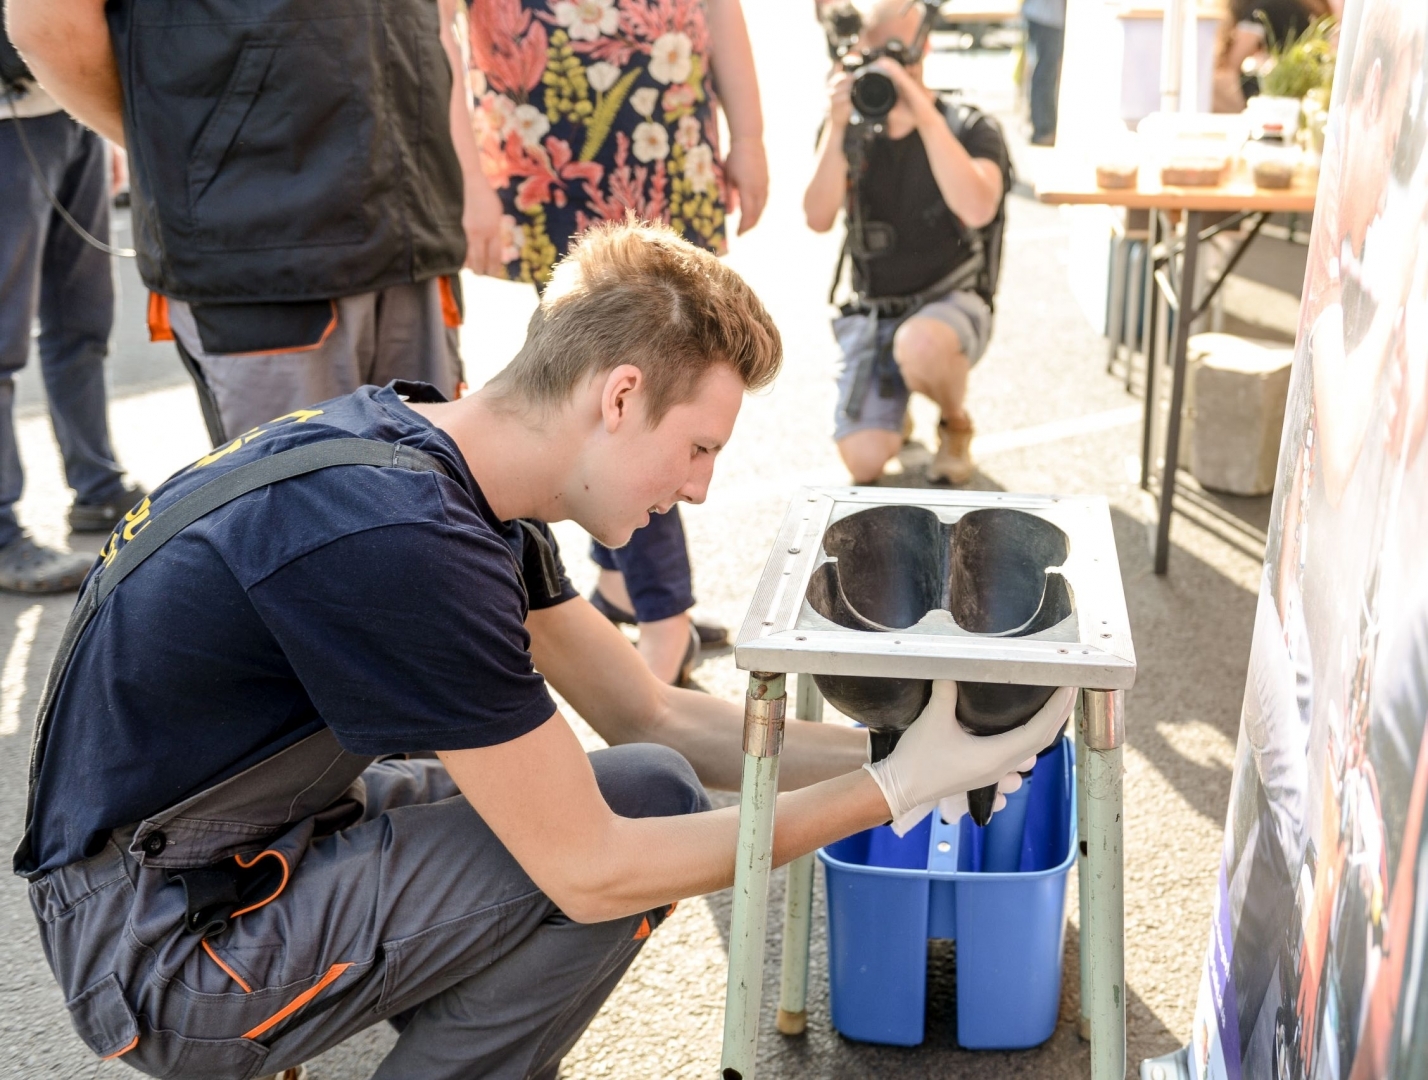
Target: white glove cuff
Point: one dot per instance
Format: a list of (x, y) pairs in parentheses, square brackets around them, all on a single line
[(884, 777)]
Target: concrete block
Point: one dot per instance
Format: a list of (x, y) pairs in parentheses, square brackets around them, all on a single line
[(1240, 389)]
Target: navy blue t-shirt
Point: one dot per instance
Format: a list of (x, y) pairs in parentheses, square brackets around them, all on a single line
[(385, 603)]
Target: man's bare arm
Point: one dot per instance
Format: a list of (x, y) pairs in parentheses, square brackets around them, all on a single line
[(539, 796), (481, 207), (732, 59), (68, 48), (592, 665), (828, 189), (971, 187)]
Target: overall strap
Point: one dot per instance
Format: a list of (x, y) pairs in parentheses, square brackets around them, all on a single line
[(240, 481), (219, 491)]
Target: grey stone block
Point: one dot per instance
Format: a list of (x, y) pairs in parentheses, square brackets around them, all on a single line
[(1240, 388)]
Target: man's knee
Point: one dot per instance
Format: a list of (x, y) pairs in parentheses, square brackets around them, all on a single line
[(924, 349), (866, 453), (647, 780)]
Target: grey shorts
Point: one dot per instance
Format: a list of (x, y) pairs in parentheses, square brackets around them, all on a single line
[(884, 398), (400, 332)]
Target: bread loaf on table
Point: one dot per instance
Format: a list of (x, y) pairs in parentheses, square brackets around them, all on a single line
[(1193, 171)]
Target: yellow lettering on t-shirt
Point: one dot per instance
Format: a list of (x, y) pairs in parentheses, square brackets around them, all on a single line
[(221, 452), (136, 520), (300, 416)]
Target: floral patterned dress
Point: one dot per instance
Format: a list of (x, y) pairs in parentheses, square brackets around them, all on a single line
[(588, 109)]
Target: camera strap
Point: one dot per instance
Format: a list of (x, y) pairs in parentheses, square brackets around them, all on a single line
[(897, 308)]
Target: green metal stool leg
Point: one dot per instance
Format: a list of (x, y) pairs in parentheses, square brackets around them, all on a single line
[(1083, 878), (1103, 910), (763, 740), (798, 902)]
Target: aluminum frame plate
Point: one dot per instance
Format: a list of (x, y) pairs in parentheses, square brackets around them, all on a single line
[(782, 633)]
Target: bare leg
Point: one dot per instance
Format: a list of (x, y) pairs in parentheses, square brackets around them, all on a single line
[(663, 644), (866, 452), (929, 353)]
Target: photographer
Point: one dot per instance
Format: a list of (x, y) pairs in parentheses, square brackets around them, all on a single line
[(927, 178)]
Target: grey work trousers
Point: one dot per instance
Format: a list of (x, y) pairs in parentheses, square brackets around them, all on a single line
[(393, 333), (415, 913)]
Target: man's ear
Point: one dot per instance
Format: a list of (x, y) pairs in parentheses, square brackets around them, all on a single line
[(622, 386)]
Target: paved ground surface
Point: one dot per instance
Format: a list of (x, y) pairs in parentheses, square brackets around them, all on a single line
[(1051, 420)]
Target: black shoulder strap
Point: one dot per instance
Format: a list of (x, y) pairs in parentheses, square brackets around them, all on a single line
[(236, 482), (219, 491), (549, 571)]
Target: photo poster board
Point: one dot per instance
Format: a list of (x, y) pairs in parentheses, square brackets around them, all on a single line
[(1317, 963)]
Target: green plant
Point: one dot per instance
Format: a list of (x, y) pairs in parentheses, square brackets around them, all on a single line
[(1298, 64)]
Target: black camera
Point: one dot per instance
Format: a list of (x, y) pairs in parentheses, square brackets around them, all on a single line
[(874, 94)]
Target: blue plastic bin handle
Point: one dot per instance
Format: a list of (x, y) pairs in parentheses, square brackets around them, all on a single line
[(943, 843)]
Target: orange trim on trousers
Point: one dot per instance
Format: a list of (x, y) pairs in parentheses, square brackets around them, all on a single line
[(298, 1002)]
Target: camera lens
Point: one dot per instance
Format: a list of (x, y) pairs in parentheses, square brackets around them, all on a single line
[(874, 94)]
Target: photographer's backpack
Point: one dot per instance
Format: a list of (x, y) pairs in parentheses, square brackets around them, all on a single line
[(962, 116)]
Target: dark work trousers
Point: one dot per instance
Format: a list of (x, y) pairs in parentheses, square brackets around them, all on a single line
[(1044, 44), (411, 911), (656, 567), (46, 269)]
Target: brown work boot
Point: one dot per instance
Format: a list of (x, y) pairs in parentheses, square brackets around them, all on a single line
[(953, 462)]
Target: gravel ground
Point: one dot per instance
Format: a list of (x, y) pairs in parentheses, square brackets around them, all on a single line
[(1045, 366)]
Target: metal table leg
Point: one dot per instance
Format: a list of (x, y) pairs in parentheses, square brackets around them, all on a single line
[(1184, 315), (798, 902), (1150, 301), (1116, 301), (1102, 729), (763, 740)]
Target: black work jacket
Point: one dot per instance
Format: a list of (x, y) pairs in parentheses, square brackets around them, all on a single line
[(287, 149)]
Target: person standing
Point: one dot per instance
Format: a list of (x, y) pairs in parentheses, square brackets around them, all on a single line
[(1045, 39), (47, 269), (299, 205), (586, 112)]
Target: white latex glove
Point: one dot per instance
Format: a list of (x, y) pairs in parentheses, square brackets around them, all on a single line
[(937, 757), (952, 807)]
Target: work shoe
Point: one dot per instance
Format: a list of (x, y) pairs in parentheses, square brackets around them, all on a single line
[(297, 1072), (102, 517), (953, 462), (691, 658), (711, 635), (28, 567)]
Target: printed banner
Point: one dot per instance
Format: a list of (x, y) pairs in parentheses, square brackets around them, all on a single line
[(1317, 965)]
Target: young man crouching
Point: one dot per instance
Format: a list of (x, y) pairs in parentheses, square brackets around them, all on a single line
[(234, 863)]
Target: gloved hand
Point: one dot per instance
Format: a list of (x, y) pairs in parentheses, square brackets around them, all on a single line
[(937, 757), (952, 807)]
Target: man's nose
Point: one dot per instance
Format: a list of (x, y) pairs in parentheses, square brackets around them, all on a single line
[(696, 488)]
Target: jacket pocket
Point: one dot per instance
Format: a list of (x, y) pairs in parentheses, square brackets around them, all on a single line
[(227, 117), (284, 156), (104, 1020)]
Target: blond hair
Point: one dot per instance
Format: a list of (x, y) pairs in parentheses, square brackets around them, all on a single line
[(633, 293)]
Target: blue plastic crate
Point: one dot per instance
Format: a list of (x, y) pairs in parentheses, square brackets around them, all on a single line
[(999, 891)]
